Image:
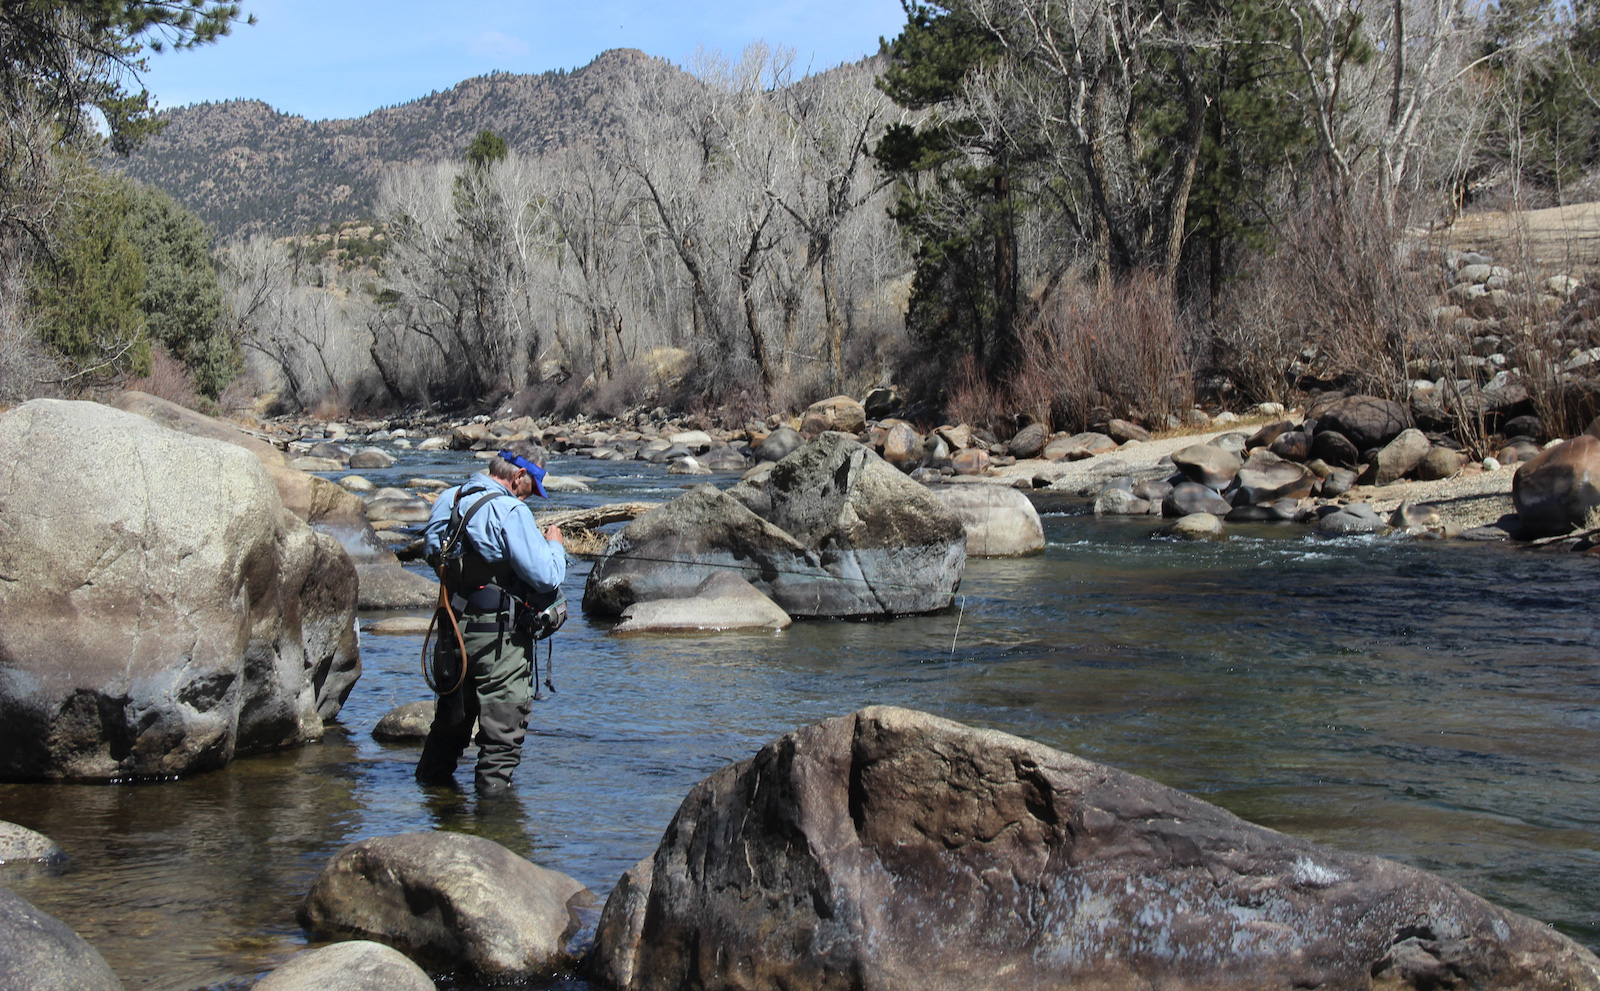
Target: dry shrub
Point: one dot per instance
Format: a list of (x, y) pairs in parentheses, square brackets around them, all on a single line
[(331, 406), (975, 400), (1337, 304), (26, 369), (168, 380), (1127, 351)]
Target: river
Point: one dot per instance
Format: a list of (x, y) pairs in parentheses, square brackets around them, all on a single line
[(1433, 702)]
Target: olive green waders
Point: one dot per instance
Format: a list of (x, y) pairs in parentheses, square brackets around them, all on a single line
[(498, 693)]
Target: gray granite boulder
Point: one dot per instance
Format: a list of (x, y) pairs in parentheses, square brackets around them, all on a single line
[(451, 902), (38, 952), (1120, 502), (1000, 521), (1559, 490), (779, 444), (353, 965), (371, 457), (1196, 526), (1192, 497), (177, 615), (898, 851), (1356, 518), (831, 530)]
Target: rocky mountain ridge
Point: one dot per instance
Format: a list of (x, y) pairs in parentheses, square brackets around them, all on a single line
[(246, 168)]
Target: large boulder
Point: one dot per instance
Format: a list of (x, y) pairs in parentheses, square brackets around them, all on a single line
[(392, 586), (1029, 441), (841, 413), (901, 444), (1207, 464), (724, 601), (1078, 447), (176, 613), (449, 901), (326, 505), (1188, 498), (831, 530), (38, 952), (779, 444), (1559, 490), (1401, 456), (1366, 421), (187, 421), (1000, 521), (353, 965), (895, 850), (1265, 478)]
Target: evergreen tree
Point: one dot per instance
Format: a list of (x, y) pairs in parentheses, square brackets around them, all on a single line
[(87, 297), (956, 200)]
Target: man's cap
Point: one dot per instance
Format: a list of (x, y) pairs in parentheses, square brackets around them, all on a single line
[(534, 471)]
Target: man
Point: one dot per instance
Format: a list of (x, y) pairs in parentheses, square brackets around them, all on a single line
[(506, 565)]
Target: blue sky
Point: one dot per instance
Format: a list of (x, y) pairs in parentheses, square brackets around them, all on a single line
[(345, 58)]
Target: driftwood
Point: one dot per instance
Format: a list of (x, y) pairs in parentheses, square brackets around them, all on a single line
[(599, 516), (579, 527)]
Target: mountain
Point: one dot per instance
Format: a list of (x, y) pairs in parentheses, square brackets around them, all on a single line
[(246, 168)]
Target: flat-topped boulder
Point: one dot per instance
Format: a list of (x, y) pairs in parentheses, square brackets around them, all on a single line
[(830, 530), (177, 614), (895, 850), (1210, 465), (724, 601)]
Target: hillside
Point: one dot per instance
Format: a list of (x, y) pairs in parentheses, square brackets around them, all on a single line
[(246, 168)]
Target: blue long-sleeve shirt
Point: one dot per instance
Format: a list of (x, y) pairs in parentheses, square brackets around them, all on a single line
[(503, 530)]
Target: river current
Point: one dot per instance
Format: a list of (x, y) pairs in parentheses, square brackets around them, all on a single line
[(1437, 703)]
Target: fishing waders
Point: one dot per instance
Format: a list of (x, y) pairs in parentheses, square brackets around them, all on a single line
[(497, 692)]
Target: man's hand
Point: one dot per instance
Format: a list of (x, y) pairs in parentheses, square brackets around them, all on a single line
[(552, 533)]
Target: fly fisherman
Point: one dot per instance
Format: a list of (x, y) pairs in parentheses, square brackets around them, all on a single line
[(506, 567)]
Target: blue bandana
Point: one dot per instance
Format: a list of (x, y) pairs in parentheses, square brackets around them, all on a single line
[(534, 471)]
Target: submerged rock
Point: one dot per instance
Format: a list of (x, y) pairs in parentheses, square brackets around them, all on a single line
[(20, 845), (894, 850), (353, 965), (38, 952), (450, 901), (408, 723), (176, 615)]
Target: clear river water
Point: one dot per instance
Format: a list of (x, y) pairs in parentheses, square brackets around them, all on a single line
[(1433, 702)]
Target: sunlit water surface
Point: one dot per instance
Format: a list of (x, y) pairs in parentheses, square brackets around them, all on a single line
[(1436, 703)]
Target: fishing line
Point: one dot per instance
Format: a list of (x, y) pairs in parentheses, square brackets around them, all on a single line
[(959, 615)]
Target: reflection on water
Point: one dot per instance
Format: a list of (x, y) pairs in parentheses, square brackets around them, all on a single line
[(1434, 703)]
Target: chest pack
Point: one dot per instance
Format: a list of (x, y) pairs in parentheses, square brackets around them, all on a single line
[(468, 581)]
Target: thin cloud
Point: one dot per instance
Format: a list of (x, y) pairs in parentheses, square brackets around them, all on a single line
[(493, 44)]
